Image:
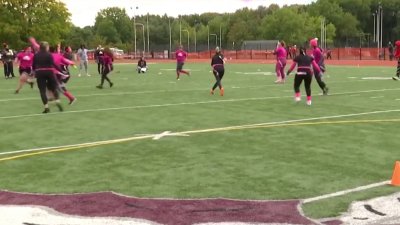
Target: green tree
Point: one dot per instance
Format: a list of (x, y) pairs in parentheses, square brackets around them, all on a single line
[(118, 20), (44, 19)]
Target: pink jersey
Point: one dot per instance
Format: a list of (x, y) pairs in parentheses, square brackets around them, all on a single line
[(25, 60), (59, 60), (317, 54), (180, 56), (280, 53)]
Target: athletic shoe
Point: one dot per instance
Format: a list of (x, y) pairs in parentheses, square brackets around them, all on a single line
[(59, 106), (17, 92), (73, 101), (88, 75), (297, 99), (278, 81), (31, 84), (99, 87), (309, 102), (111, 85), (46, 110), (222, 92), (79, 75), (212, 92), (395, 78), (326, 91)]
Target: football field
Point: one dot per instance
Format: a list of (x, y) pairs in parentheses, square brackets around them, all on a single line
[(152, 136)]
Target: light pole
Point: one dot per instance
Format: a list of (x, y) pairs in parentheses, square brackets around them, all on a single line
[(170, 38), (188, 36), (220, 36), (144, 39), (148, 35), (134, 28), (374, 15), (216, 39)]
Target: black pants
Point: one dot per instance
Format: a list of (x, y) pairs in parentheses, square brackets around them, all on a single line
[(321, 83), (298, 79), (104, 76), (46, 80), (218, 74), (8, 69), (100, 67)]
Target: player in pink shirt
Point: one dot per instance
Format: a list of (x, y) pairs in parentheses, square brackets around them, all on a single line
[(319, 59), (180, 56), (281, 55), (107, 68), (25, 60)]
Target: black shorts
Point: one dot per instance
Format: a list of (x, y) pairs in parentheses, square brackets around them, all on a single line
[(179, 66), (28, 71)]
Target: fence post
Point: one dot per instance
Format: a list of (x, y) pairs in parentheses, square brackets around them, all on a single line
[(360, 54), (251, 54), (236, 54), (338, 54)]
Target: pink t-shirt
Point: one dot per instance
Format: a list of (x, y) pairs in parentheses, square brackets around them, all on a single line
[(59, 60), (25, 60), (317, 54), (281, 52), (180, 56)]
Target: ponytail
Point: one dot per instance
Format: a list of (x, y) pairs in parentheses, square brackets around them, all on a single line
[(302, 51)]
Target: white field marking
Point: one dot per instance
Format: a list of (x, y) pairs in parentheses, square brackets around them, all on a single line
[(168, 134), (184, 133), (175, 69), (178, 104), (352, 77), (376, 78), (377, 97), (354, 95), (345, 192)]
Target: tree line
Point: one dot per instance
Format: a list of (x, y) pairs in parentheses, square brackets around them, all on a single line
[(349, 22)]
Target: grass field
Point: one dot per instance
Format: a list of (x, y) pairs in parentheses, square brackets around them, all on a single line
[(342, 141)]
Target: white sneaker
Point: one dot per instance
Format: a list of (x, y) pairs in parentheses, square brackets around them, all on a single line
[(88, 75), (79, 75), (309, 102), (297, 99)]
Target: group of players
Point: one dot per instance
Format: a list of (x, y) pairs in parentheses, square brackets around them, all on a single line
[(49, 67)]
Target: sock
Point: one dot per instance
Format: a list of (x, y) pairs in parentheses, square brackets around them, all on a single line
[(69, 95), (309, 98), (297, 95)]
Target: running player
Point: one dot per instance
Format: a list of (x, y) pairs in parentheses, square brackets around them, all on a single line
[(62, 76), (397, 56), (43, 65), (319, 59), (304, 64), (281, 55), (180, 56), (25, 60), (107, 68), (217, 64)]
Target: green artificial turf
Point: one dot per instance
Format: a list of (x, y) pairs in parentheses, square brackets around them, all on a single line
[(283, 162)]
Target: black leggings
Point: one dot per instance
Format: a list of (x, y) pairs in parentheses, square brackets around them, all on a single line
[(46, 80), (218, 74), (298, 79), (100, 67), (104, 76), (398, 68), (321, 83), (8, 69)]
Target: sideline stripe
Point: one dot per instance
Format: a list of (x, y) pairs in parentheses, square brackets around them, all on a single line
[(345, 192), (183, 103), (255, 126)]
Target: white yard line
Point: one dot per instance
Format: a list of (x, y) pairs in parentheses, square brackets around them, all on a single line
[(345, 192), (184, 133)]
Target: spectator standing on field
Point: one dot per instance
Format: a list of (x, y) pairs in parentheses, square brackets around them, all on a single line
[(84, 60), (7, 57), (391, 50)]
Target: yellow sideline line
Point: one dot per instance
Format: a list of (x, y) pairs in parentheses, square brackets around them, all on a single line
[(233, 128)]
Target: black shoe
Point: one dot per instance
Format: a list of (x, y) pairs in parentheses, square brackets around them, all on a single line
[(111, 85), (31, 84), (72, 101), (59, 106), (99, 87), (46, 110), (16, 92)]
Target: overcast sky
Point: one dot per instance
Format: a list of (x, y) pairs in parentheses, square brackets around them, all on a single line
[(84, 11)]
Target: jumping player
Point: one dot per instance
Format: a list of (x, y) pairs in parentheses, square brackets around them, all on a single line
[(43, 65), (319, 59), (281, 55), (25, 60), (304, 64), (107, 68), (397, 56), (180, 56)]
